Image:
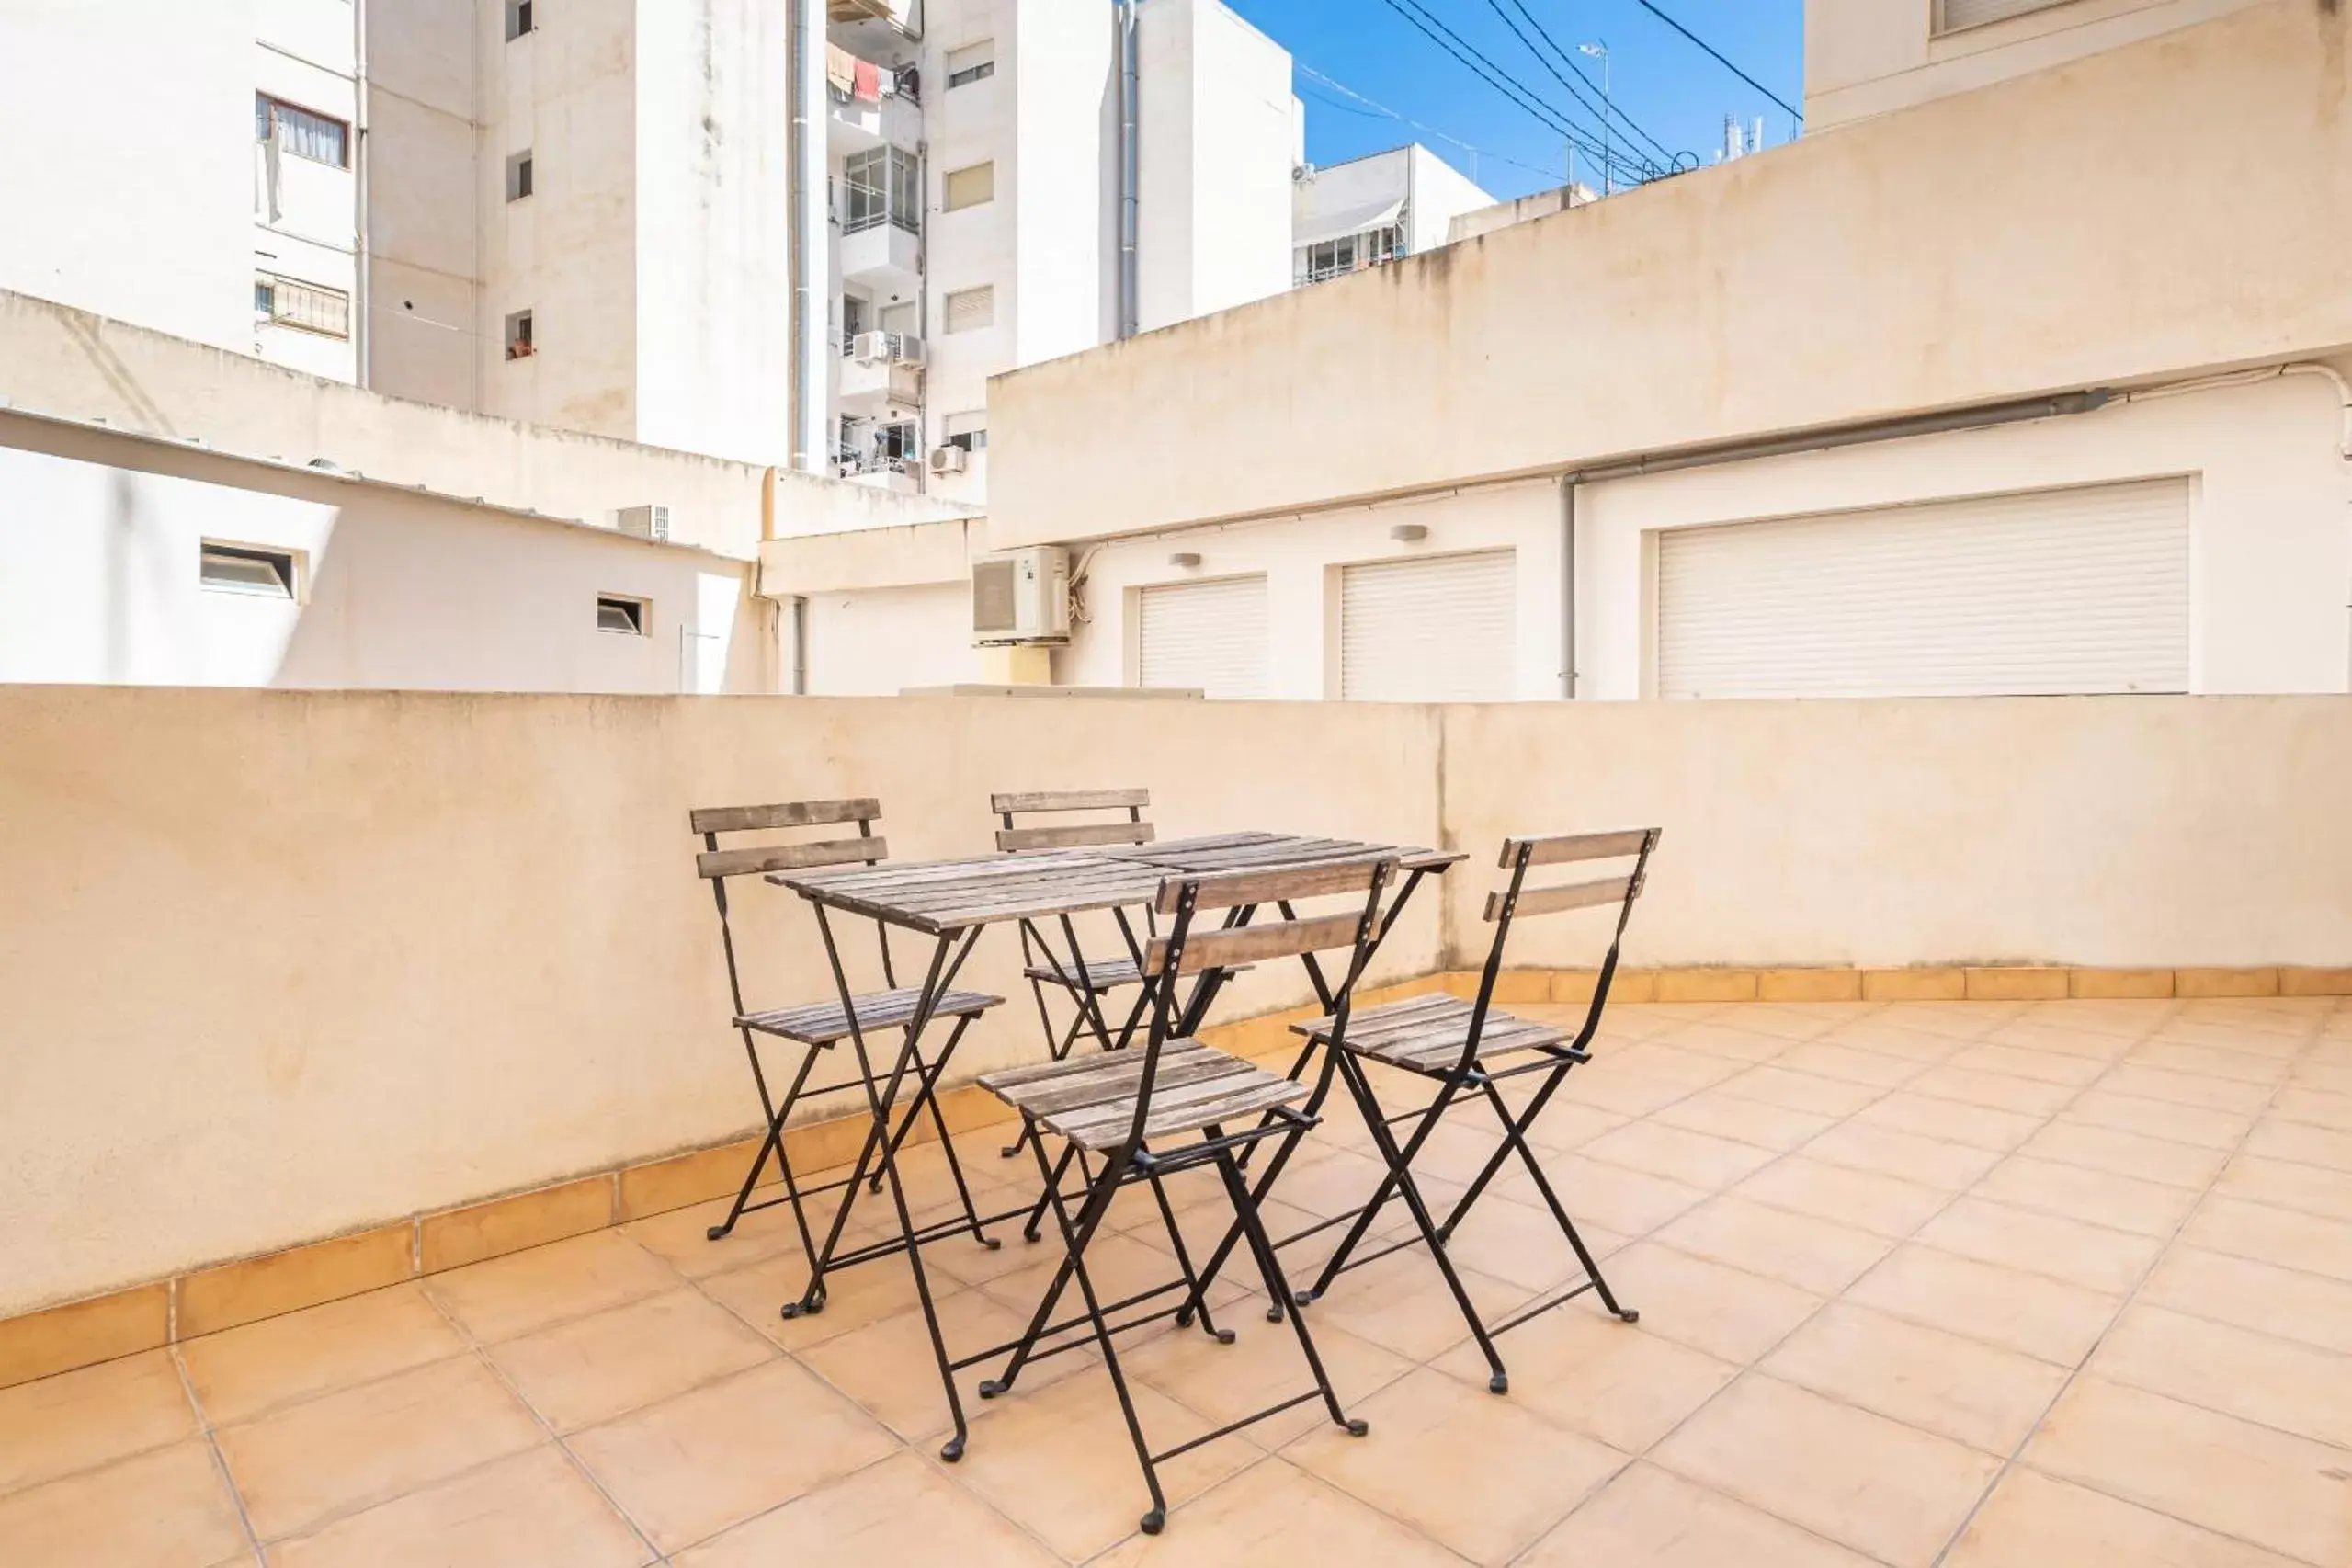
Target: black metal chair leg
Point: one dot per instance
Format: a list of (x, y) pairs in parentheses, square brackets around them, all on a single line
[(1195, 1292), (1269, 1268), (1515, 1136), (1090, 1219)]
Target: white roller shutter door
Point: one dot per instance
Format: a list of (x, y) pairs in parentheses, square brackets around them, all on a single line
[(1440, 629), (1204, 636), (2055, 591)]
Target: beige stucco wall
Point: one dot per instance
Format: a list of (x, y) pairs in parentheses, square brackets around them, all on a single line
[(76, 366), (1940, 258), (280, 964)]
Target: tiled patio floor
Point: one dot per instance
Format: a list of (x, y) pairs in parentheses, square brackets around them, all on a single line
[(1976, 1284)]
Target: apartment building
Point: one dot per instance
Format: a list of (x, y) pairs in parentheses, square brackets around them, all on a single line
[(1907, 408), (1357, 213)]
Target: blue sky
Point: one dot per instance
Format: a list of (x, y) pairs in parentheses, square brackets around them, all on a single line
[(1659, 80)]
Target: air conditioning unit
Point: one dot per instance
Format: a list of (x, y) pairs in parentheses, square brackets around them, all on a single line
[(950, 460), (886, 348), (1022, 597), (646, 522)]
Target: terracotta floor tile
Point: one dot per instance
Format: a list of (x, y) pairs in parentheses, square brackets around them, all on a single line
[(1696, 1159), (1326, 1181), (1892, 1040), (1960, 1388), (1616, 1199), (306, 1464), (2194, 1089), (1932, 1162), (1479, 1474), (1851, 1064), (1628, 1093), (1225, 1383), (1756, 1039), (2286, 1302), (1978, 1127), (888, 1368), (1860, 1479), (1662, 1059), (1726, 1312), (515, 1294), (1954, 1020), (1884, 1205), (1565, 1125), (165, 1508), (2257, 1377), (900, 1510), (1759, 1122), (1058, 1460), (2180, 1056), (1590, 1373), (593, 1368), (1801, 1091), (2125, 1153), (1520, 1244), (2208, 1127), (246, 1371), (534, 1510), (81, 1419), (2080, 1028), (1401, 1304), (2301, 1143), (1119, 1265), (855, 1297), (716, 1455), (2313, 1107), (1653, 1518), (2024, 1062), (2034, 1520), (2283, 1493), (2312, 1072), (1275, 1513), (2098, 1197), (1814, 1254), (1995, 1091), (2030, 1312), (679, 1237), (2093, 1256), (2273, 1235)]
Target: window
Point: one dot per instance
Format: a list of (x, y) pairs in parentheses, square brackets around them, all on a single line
[(969, 431), (518, 175), (307, 307), (968, 310), (619, 612), (300, 132), (1954, 16), (853, 321), (970, 187), (241, 569), (972, 62), (1337, 258), (896, 442), (519, 336), (880, 188), (519, 18)]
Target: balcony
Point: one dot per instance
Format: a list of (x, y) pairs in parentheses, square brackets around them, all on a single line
[(1939, 1257), (855, 125), (883, 257), (881, 373)]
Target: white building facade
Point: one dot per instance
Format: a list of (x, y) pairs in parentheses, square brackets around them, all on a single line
[(1351, 215)]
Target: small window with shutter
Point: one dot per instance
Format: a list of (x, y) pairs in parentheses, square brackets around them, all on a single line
[(1959, 15), (970, 187), (972, 62), (967, 309)]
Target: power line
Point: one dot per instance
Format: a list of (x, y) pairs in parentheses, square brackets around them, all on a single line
[(1608, 106), (1375, 109), (1436, 32), (1721, 59)]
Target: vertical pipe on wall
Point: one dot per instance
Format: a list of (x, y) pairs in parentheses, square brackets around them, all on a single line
[(361, 334), (1568, 587), (1129, 81), (809, 293)]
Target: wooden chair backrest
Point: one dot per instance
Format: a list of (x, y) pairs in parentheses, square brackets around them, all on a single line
[(1071, 835), (718, 864)]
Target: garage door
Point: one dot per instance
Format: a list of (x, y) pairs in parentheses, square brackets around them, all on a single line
[(2078, 590), (1443, 628), (1209, 637)]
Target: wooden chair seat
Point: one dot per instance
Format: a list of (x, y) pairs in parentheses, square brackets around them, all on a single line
[(1102, 974), (1091, 1101), (823, 1023), (1425, 1034)]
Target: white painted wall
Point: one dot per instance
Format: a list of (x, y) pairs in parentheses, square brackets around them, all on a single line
[(99, 582), (1431, 192), (424, 206), (881, 641), (1868, 57), (306, 214), (2270, 540), (128, 188)]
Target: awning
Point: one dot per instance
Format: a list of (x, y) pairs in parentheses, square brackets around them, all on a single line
[(1347, 220)]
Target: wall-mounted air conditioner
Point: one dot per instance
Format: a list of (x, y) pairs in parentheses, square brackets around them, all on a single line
[(646, 522), (950, 460), (886, 349), (1023, 597)]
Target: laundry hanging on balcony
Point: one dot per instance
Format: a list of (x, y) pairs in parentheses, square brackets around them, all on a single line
[(868, 88), (840, 69)]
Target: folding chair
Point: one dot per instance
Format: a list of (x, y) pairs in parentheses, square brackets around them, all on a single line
[(1455, 1045), (815, 1027), (1135, 1110), (1085, 981)]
